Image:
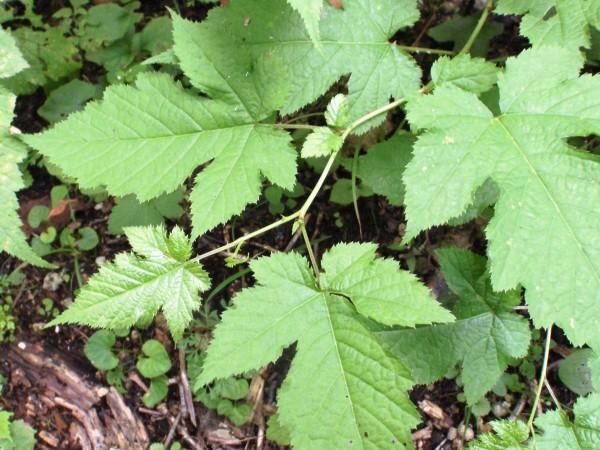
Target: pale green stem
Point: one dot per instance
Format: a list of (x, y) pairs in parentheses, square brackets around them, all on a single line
[(480, 23), (309, 249), (299, 215), (354, 193), (429, 51), (540, 386)]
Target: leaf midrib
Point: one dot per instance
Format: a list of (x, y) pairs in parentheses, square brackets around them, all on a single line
[(538, 177)]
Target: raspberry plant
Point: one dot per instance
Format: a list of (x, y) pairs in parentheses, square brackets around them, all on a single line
[(480, 134)]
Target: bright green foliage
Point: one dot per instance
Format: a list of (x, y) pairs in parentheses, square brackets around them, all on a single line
[(560, 433), (149, 138), (471, 74), (380, 167), (483, 339), (158, 391), (11, 60), (67, 99), (130, 212), (50, 56), (162, 277), (542, 234), (459, 28), (310, 11), (155, 361), (360, 389), (337, 112), (509, 435), (321, 142), (15, 435), (575, 373), (261, 33), (12, 152), (98, 349), (555, 22)]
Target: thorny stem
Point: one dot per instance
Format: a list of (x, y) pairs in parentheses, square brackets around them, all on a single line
[(480, 23), (541, 381), (301, 213)]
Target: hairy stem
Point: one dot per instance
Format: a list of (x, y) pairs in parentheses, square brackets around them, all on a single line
[(480, 23), (542, 380)]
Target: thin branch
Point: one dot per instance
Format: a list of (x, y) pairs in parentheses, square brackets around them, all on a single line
[(480, 23), (542, 379)]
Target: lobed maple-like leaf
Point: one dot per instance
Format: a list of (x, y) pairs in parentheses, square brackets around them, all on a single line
[(555, 22), (559, 432), (134, 287), (343, 389), (544, 233), (148, 138), (353, 40), (485, 336)]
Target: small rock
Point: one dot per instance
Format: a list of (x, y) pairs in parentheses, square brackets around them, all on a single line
[(100, 260), (52, 281), (452, 434), (469, 434)]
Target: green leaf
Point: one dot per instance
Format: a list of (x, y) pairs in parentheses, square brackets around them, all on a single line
[(471, 74), (276, 432), (11, 60), (135, 287), (5, 424), (382, 166), (88, 239), (50, 55), (560, 433), (98, 349), (12, 152), (351, 40), (159, 388), (156, 361), (552, 22), (508, 435), (574, 372), (321, 142), (37, 215), (68, 98), (151, 137), (544, 183), (341, 191), (337, 112), (16, 435), (486, 335), (129, 212), (232, 388), (458, 30), (310, 11), (361, 390)]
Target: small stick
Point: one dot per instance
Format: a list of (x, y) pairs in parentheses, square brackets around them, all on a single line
[(187, 393), (172, 430)]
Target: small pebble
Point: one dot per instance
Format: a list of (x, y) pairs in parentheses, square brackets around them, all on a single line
[(100, 260), (452, 434), (52, 281)]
